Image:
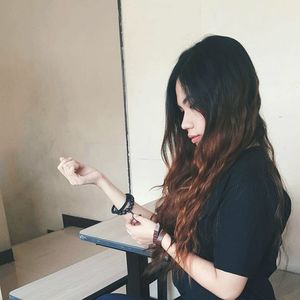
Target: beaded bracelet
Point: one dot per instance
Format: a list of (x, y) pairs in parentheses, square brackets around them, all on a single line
[(123, 210), (158, 235), (156, 232)]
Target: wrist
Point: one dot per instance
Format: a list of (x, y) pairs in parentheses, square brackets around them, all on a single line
[(166, 241), (99, 180)]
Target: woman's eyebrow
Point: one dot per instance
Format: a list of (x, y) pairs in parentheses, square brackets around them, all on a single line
[(184, 101)]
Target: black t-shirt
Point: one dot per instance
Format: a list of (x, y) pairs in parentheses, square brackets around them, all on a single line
[(236, 229)]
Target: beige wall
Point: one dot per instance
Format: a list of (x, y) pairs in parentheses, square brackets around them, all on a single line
[(156, 32), (60, 94), (4, 235)]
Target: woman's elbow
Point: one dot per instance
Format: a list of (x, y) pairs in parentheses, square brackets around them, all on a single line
[(230, 285), (230, 294)]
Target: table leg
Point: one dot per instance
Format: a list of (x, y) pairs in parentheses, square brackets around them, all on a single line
[(162, 288), (136, 285)]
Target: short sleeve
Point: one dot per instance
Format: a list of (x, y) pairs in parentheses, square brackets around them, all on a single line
[(243, 228)]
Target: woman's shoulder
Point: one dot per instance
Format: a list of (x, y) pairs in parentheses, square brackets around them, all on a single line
[(249, 168), (251, 164), (247, 173), (250, 177)]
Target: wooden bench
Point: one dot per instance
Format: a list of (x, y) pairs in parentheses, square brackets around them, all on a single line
[(105, 272), (92, 277)]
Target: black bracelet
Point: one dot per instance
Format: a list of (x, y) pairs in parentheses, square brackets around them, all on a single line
[(114, 210), (123, 210)]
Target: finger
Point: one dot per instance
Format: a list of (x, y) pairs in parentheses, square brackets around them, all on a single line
[(128, 221), (134, 222), (142, 242), (129, 226), (63, 161), (64, 169), (68, 167), (66, 159), (138, 218), (71, 166), (70, 175), (74, 179)]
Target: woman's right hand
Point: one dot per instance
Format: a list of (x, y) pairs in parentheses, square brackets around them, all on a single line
[(77, 173)]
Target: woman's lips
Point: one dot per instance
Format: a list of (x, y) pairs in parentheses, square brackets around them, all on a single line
[(196, 139)]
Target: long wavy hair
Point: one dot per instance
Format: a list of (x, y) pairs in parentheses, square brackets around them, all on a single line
[(220, 81)]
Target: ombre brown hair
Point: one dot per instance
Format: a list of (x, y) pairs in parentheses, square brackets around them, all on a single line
[(220, 81)]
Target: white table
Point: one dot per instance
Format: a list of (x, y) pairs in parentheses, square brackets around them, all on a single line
[(112, 234)]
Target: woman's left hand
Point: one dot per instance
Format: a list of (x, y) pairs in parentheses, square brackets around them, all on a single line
[(143, 231)]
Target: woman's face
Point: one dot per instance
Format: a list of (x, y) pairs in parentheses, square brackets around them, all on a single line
[(193, 121)]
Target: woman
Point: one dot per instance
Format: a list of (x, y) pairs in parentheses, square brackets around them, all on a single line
[(223, 209)]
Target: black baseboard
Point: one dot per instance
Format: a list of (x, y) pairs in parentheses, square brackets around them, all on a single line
[(6, 257), (69, 220)]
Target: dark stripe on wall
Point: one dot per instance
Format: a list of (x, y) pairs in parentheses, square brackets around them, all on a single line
[(69, 220), (124, 91), (6, 257)]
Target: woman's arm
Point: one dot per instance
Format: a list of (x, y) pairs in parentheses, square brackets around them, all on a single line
[(223, 284), (118, 198), (78, 173)]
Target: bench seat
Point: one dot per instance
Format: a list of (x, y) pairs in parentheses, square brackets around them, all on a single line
[(78, 281)]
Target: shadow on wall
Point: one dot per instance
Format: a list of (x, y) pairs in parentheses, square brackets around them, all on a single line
[(5, 244)]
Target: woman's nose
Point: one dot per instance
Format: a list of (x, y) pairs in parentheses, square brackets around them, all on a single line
[(186, 123)]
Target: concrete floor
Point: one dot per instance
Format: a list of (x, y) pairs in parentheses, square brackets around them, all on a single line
[(286, 285)]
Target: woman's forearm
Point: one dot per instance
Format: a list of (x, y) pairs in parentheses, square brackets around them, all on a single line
[(118, 198), (203, 272), (200, 269)]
